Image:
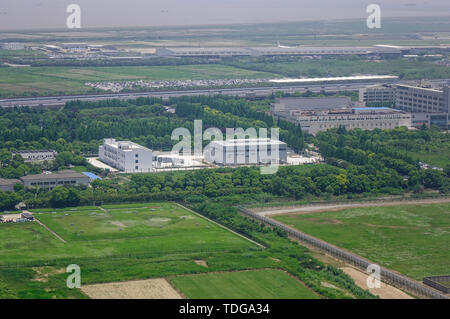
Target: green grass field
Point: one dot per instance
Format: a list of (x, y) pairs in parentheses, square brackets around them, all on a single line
[(347, 67), (413, 240), (257, 284), (71, 80), (155, 230)]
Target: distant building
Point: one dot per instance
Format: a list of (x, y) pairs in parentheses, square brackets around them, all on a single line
[(246, 152), (286, 105), (416, 99), (51, 180), (217, 52), (379, 95), (75, 46), (7, 185), (12, 46), (126, 156), (315, 115), (36, 156), (429, 106)]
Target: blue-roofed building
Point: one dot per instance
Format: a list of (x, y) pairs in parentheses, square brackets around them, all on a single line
[(92, 176)]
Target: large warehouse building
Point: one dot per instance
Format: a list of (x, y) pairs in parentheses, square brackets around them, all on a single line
[(247, 152), (217, 52), (126, 156)]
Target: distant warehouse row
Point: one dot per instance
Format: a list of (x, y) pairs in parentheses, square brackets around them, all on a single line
[(218, 52)]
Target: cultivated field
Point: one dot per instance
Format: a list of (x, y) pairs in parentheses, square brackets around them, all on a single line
[(140, 289), (413, 240), (256, 284)]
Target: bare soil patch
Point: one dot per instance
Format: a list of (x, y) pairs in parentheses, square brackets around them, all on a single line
[(201, 263), (139, 289), (384, 292)]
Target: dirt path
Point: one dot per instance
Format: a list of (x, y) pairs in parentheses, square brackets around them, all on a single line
[(384, 292), (51, 231), (337, 207)]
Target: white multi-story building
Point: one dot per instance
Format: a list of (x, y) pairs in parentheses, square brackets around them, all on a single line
[(246, 152), (126, 156)]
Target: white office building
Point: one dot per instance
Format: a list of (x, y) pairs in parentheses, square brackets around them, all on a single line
[(246, 152), (126, 156)]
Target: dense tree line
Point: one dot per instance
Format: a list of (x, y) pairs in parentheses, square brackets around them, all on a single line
[(380, 151)]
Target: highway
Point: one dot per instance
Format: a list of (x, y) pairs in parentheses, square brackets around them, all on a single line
[(242, 92)]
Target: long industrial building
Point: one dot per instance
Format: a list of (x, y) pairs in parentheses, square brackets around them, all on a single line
[(51, 180), (217, 52), (320, 114), (126, 156)]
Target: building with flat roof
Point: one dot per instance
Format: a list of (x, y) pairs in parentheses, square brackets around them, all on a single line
[(320, 114), (7, 185), (378, 95), (126, 156), (36, 156), (246, 152), (366, 118), (417, 99), (51, 180), (217, 52), (285, 105), (428, 105)]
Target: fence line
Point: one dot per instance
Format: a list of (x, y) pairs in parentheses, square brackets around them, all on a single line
[(388, 276)]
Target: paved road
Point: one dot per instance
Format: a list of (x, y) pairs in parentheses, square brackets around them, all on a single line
[(242, 92), (335, 207)]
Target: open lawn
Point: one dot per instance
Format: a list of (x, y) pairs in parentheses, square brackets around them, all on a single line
[(156, 229), (256, 284), (413, 240), (326, 67)]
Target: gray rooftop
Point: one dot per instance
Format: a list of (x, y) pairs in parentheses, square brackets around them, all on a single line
[(8, 182), (285, 104), (61, 174)]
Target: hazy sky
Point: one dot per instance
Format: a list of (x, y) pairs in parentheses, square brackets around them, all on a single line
[(27, 14)]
